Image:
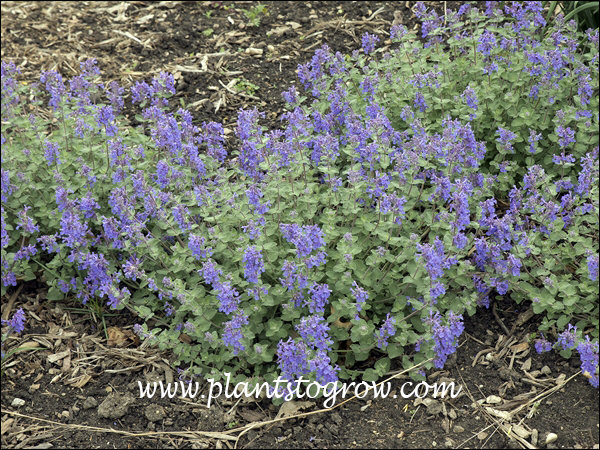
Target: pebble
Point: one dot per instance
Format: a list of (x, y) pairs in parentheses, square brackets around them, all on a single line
[(546, 370), (458, 429), (155, 413), (534, 436), (115, 406), (89, 403), (433, 406), (17, 402), (551, 437)]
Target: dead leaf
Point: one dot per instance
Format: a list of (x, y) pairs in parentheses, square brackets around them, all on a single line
[(520, 347), (29, 344), (250, 415), (292, 407), (119, 338)]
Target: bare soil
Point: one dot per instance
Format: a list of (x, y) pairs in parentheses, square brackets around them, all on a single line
[(79, 388)]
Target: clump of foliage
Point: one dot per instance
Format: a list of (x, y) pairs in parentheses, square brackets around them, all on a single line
[(404, 190)]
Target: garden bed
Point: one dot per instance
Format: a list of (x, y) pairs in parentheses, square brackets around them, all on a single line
[(221, 63)]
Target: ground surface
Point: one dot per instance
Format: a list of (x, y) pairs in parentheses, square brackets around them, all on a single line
[(79, 389)]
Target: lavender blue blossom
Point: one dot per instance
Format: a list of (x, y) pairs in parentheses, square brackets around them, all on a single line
[(567, 338), (228, 298), (254, 264), (368, 42), (360, 295), (588, 353), (292, 359), (542, 345), (51, 153), (566, 136), (506, 137), (17, 322), (592, 263), (25, 222), (387, 330), (314, 331), (198, 247), (319, 295), (232, 332)]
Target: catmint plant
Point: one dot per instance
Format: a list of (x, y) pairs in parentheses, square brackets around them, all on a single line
[(402, 191)]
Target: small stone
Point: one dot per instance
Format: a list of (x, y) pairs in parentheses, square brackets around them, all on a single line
[(452, 414), (115, 406), (90, 403), (433, 406), (534, 436), (17, 402), (482, 435), (458, 429), (449, 443), (550, 438), (546, 370), (155, 413)]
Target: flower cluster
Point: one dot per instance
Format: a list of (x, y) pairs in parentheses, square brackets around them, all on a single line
[(415, 184)]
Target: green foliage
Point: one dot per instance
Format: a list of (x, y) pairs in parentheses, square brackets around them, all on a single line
[(406, 193), (255, 13)]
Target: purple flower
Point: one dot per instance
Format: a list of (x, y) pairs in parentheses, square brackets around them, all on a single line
[(306, 238), (368, 42), (319, 295), (232, 332), (105, 118), (566, 136), (17, 322), (506, 136), (254, 264), (533, 138), (162, 174), (51, 153), (360, 295), (25, 253), (197, 245), (321, 365), (470, 97), (292, 359), (487, 41), (592, 263), (434, 258), (445, 337), (26, 222), (314, 330), (567, 338), (386, 331), (420, 102), (228, 298), (542, 345), (398, 31), (588, 353)]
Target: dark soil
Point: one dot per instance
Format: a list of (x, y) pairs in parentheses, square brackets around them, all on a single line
[(77, 366)]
